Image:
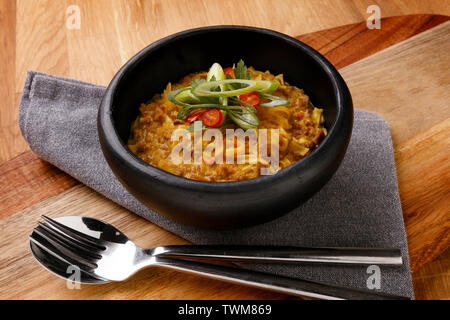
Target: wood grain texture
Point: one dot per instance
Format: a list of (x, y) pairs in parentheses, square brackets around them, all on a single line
[(347, 44), (408, 84), (26, 180), (432, 282), (111, 32), (423, 169), (12, 142)]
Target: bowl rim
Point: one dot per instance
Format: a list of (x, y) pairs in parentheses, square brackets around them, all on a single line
[(124, 155)]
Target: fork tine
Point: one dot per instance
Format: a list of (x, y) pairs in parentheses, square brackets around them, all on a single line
[(64, 250), (74, 234), (83, 249), (54, 252), (45, 246)]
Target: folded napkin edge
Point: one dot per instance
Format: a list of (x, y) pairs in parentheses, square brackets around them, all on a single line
[(58, 89)]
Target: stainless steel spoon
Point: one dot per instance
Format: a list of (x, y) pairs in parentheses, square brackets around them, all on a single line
[(105, 254)]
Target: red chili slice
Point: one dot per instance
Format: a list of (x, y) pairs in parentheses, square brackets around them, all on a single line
[(212, 118), (251, 98), (229, 71), (195, 115)]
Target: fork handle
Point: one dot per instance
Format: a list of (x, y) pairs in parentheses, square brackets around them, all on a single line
[(296, 287), (359, 256)]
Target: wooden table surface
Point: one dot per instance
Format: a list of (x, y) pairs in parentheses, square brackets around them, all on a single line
[(34, 36)]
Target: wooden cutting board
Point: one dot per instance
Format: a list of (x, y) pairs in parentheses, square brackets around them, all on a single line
[(400, 72)]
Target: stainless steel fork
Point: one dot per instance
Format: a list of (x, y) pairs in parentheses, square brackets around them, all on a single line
[(104, 252)]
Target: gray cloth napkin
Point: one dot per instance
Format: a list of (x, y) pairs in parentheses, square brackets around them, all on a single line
[(358, 207)]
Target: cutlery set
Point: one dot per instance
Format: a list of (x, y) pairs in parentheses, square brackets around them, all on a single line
[(103, 254)]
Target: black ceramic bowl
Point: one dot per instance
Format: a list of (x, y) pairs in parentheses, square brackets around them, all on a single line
[(224, 204)]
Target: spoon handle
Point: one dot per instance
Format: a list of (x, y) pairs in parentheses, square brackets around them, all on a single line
[(296, 287), (359, 256)]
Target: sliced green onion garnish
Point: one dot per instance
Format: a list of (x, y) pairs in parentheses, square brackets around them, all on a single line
[(245, 120), (204, 89), (172, 96), (223, 93), (272, 85), (186, 96), (215, 71), (275, 101), (181, 98)]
